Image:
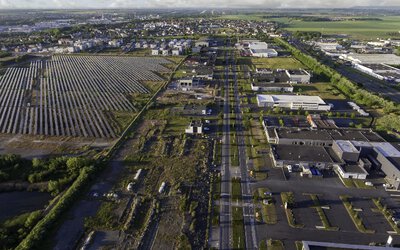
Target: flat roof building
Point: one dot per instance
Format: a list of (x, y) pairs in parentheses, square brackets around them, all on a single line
[(298, 76), (272, 87), (260, 49), (350, 152), (293, 102)]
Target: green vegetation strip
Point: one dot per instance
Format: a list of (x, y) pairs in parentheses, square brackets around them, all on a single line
[(236, 189), (386, 213), (268, 211), (322, 215), (288, 198), (238, 228), (354, 215), (40, 230), (275, 245)]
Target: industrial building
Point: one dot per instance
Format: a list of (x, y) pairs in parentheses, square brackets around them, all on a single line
[(189, 83), (298, 76), (380, 71), (260, 49), (272, 87), (293, 102), (351, 153)]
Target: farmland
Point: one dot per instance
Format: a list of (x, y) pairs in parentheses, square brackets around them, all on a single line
[(80, 96), (362, 29)]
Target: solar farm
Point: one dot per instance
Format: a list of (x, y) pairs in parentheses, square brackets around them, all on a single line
[(70, 95)]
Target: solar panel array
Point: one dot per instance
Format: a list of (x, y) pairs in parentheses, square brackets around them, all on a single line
[(68, 95)]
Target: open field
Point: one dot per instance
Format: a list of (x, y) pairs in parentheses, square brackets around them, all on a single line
[(277, 63), (70, 95), (368, 29)]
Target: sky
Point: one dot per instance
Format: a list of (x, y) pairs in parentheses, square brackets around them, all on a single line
[(64, 4)]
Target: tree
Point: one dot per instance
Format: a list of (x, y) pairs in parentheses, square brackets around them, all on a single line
[(75, 163)]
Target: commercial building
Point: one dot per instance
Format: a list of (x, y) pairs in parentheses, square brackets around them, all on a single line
[(293, 102)]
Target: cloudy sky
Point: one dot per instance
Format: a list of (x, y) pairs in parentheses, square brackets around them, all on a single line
[(26, 4)]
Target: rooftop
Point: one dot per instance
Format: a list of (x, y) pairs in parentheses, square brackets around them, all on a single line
[(375, 58), (361, 135), (303, 153), (297, 72), (290, 98), (347, 146), (269, 84), (353, 168)]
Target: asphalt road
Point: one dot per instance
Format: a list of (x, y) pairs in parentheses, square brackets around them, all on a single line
[(248, 206), (225, 238), (369, 83)]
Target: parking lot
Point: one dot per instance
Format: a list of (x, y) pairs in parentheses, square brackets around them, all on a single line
[(372, 219), (304, 213), (328, 189)]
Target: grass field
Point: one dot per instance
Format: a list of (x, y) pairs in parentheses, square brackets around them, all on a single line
[(324, 90), (277, 63), (368, 29)]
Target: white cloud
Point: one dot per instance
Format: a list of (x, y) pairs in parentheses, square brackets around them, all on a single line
[(8, 4)]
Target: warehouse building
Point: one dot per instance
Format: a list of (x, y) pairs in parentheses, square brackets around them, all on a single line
[(293, 102)]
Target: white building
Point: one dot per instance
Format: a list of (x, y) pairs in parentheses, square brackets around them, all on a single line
[(154, 52), (194, 128), (260, 49), (298, 76), (272, 87), (293, 102)]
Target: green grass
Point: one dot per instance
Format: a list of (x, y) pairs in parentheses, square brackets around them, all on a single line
[(234, 150), (236, 189), (361, 184), (238, 228), (354, 215), (299, 245), (278, 63), (269, 214), (287, 197), (275, 245), (325, 222), (368, 29), (323, 90), (215, 217)]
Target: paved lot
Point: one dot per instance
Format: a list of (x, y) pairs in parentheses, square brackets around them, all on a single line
[(371, 220), (304, 213), (329, 189), (337, 214)]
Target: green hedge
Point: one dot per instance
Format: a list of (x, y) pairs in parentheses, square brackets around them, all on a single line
[(40, 231)]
